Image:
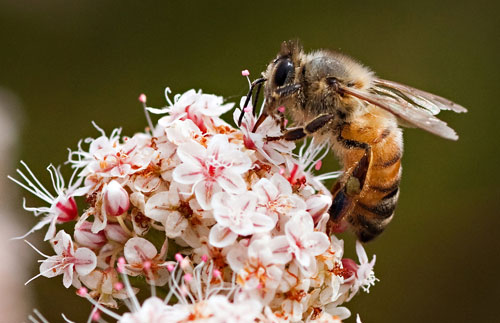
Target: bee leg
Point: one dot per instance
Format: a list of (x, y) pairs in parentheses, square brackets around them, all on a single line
[(300, 132), (282, 121), (261, 119), (347, 190)]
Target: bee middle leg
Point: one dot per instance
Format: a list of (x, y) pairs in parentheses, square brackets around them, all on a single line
[(300, 132)]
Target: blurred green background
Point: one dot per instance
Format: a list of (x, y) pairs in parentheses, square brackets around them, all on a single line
[(70, 62)]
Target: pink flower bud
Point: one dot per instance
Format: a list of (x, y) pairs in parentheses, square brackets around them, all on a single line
[(84, 236), (116, 233), (66, 210), (116, 199), (350, 267), (245, 73)]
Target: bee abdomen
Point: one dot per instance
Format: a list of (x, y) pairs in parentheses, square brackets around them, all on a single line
[(375, 209)]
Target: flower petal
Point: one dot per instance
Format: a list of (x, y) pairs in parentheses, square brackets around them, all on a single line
[(138, 250), (221, 237)]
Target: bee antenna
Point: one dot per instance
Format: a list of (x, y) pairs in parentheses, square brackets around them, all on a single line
[(249, 96)]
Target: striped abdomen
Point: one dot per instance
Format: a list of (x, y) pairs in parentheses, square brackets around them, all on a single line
[(371, 155)]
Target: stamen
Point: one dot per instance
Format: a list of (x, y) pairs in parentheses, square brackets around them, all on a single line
[(179, 257), (318, 164), (40, 316), (82, 291), (188, 277)]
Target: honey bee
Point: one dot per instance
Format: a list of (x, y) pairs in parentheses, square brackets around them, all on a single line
[(333, 98)]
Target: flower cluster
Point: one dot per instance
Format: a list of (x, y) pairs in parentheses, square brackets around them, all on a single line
[(230, 226)]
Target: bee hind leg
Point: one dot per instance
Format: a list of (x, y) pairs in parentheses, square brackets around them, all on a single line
[(347, 190)]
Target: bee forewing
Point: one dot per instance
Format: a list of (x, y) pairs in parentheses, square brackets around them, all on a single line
[(407, 112), (426, 100)]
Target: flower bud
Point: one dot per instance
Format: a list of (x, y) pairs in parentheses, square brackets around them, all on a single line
[(116, 200), (350, 267), (116, 233), (84, 236), (66, 209)]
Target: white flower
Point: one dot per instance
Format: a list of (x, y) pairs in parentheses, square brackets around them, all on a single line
[(237, 215), (106, 287), (260, 266), (196, 106), (62, 206), (317, 205), (112, 159), (218, 309), (276, 197), (171, 209), (154, 310), (273, 151), (181, 131), (68, 261), (364, 275), (142, 258), (248, 215), (304, 242), (212, 169)]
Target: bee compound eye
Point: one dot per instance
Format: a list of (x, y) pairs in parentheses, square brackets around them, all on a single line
[(284, 68)]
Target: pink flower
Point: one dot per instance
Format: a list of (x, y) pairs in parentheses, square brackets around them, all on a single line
[(237, 215), (69, 261), (213, 169)]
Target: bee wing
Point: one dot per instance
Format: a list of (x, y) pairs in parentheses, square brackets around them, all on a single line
[(428, 101), (410, 113)]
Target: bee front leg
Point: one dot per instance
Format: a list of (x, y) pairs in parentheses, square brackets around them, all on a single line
[(300, 132)]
